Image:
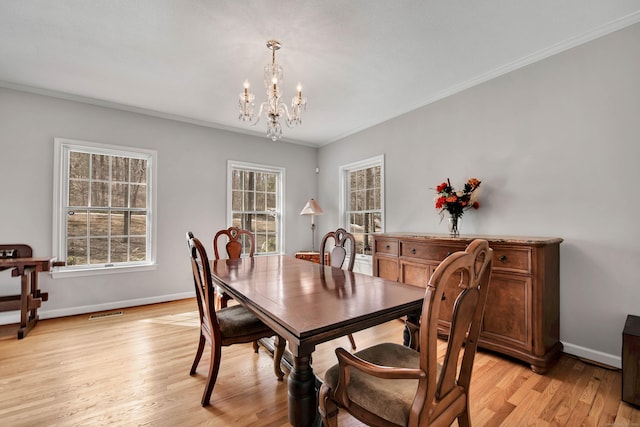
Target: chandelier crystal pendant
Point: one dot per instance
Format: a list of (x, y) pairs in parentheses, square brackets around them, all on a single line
[(273, 108)]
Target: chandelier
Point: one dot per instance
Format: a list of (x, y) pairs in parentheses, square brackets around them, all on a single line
[(273, 108)]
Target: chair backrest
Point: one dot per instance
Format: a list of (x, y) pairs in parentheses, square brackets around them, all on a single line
[(471, 269), (205, 291), (239, 241), (338, 252)]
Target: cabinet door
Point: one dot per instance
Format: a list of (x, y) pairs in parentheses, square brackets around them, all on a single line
[(413, 273), (387, 268), (507, 315)]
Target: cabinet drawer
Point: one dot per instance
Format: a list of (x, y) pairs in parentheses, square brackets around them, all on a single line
[(427, 251), (512, 259), (384, 246)]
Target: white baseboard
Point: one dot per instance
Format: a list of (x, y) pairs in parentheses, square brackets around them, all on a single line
[(594, 355), (71, 311)]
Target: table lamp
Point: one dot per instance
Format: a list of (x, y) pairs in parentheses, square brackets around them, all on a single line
[(312, 208)]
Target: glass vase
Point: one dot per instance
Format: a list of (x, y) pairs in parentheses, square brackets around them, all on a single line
[(454, 225)]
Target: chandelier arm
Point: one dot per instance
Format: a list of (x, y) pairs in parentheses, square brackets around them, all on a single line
[(255, 122), (289, 120)]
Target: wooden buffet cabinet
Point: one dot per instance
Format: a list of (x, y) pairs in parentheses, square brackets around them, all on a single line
[(522, 315)]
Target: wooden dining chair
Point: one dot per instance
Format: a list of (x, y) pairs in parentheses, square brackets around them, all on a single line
[(393, 385), (223, 327), (238, 242), (343, 244)]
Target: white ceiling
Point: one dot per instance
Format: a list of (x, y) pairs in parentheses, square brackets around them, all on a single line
[(360, 62)]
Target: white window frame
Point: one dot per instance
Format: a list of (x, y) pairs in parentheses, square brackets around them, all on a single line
[(62, 148), (280, 202), (344, 192)]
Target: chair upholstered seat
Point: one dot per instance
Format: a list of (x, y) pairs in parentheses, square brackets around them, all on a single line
[(236, 320), (390, 400)]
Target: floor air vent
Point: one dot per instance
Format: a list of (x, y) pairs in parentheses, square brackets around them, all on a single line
[(103, 315)]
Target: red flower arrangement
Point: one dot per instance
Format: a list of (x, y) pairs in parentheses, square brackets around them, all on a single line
[(456, 202)]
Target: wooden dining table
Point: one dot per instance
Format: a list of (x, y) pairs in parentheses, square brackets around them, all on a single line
[(308, 304)]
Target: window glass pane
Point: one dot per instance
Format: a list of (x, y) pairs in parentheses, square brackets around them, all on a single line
[(352, 200), (360, 199), (78, 165), (369, 201), (138, 196), (78, 193), (261, 181), (100, 164), (236, 180), (272, 182), (236, 200), (119, 195), (138, 224), (261, 202), (98, 223), (99, 194), (137, 249), (261, 242), (76, 251), (98, 250), (120, 169), (119, 249), (271, 201), (360, 179), (272, 224), (77, 223), (119, 223), (247, 180), (377, 222), (236, 220), (248, 201), (138, 171)]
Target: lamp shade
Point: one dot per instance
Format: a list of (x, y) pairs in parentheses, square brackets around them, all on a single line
[(311, 208)]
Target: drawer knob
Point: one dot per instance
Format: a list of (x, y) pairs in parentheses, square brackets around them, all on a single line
[(413, 251), (503, 259), (449, 253), (387, 247)]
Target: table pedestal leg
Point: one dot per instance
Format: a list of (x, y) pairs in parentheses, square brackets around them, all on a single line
[(303, 404)]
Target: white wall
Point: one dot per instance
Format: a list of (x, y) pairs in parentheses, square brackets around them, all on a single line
[(557, 147), (192, 168)]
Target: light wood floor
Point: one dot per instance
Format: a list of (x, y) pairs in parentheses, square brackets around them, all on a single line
[(133, 369)]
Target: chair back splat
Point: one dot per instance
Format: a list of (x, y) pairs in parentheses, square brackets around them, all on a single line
[(238, 242), (343, 240), (393, 385)]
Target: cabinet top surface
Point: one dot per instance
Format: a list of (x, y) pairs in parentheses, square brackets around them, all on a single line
[(469, 237)]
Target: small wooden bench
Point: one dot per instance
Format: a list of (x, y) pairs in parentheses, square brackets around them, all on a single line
[(19, 258)]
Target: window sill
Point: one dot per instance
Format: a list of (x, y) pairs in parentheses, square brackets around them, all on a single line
[(64, 272)]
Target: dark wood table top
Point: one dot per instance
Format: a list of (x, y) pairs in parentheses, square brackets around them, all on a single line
[(41, 263), (307, 303)]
